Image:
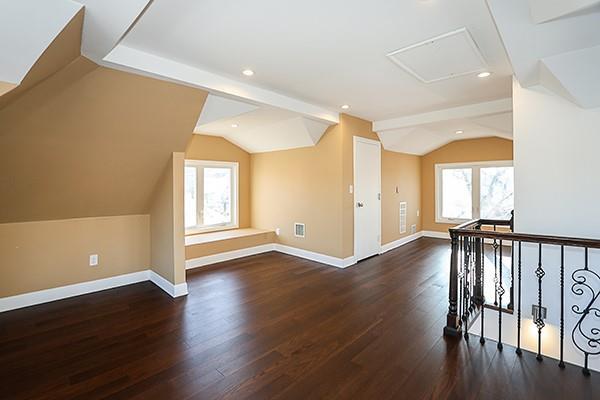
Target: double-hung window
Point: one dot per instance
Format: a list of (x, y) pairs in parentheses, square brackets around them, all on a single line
[(474, 190), (211, 195)]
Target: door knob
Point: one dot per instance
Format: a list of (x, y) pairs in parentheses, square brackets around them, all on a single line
[(360, 204)]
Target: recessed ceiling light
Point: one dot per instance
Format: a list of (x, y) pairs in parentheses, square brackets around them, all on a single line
[(234, 125), (458, 132), (345, 107), (483, 74), (248, 72)]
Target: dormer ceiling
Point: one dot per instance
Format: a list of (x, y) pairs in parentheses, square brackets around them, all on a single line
[(553, 43), (311, 57)]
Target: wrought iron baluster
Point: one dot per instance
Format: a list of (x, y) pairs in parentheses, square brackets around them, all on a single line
[(518, 351), (466, 301), (482, 302), (495, 246), (562, 306), (500, 290), (511, 302), (586, 335), (539, 322)]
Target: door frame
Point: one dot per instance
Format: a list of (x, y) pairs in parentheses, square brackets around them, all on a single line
[(360, 139)]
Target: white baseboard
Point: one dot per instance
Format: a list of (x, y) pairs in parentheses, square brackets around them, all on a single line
[(77, 289), (64, 292), (313, 256), (173, 290), (400, 242), (436, 235), (229, 255)]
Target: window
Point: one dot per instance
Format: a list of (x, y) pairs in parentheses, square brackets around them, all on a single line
[(211, 194), (477, 190)]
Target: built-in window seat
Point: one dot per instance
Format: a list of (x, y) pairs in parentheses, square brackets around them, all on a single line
[(204, 245)]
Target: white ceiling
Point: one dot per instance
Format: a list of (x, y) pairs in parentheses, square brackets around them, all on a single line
[(20, 49), (326, 53), (554, 43), (421, 133), (258, 129)]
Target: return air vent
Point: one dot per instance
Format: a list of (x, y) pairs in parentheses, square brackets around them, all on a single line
[(299, 229), (403, 209), (442, 57)]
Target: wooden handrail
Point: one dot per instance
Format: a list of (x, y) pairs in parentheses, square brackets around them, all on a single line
[(464, 230)]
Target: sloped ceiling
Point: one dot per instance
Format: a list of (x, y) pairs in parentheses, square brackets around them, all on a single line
[(43, 21), (258, 129), (90, 141), (420, 134), (63, 49), (553, 43)]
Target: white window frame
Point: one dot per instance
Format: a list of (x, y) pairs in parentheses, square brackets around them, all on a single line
[(234, 166), (475, 191)]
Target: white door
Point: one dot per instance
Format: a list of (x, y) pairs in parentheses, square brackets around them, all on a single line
[(367, 197)]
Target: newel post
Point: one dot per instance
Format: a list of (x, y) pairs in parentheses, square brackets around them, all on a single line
[(452, 327)]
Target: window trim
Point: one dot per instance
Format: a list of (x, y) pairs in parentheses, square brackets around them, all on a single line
[(475, 192), (234, 224)]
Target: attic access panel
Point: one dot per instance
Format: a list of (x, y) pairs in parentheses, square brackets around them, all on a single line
[(443, 57)]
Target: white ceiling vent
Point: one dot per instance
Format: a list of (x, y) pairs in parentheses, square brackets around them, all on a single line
[(442, 57)]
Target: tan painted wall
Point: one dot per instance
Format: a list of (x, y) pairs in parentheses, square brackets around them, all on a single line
[(402, 171), (311, 185), (301, 185), (485, 149), (166, 223), (213, 148), (221, 246), (46, 254), (90, 141)]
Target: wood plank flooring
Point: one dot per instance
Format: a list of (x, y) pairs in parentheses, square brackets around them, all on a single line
[(272, 326)]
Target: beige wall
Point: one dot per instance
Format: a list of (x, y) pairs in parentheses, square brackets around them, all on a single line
[(90, 141), (166, 223), (301, 185), (78, 140), (311, 185), (221, 246), (213, 148), (402, 171), (46, 254), (485, 149)]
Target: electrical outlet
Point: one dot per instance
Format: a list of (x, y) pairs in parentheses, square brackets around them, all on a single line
[(350, 189), (93, 260), (538, 313), (418, 213), (277, 231)]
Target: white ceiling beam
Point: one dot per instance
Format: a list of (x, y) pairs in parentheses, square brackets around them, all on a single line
[(136, 61), (468, 111), (548, 10), (104, 24)]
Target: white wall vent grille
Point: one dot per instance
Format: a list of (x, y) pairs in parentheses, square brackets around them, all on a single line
[(402, 213), (299, 229), (442, 57)]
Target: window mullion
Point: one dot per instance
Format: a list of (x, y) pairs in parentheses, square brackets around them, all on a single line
[(200, 199), (476, 197)]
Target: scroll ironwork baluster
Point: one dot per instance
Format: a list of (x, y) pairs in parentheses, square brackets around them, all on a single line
[(586, 336), (539, 322)]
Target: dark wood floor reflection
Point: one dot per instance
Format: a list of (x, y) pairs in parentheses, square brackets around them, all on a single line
[(272, 326)]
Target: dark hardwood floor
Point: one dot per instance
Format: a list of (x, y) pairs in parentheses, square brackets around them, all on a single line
[(272, 326)]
